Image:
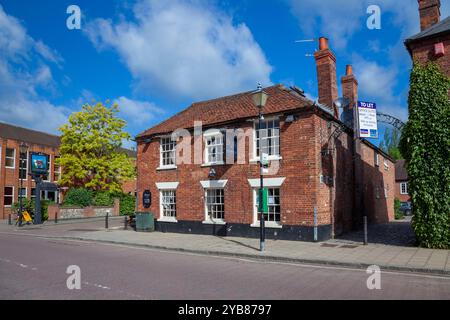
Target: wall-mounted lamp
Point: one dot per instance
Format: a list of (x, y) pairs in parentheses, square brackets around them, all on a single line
[(212, 173), (147, 140)]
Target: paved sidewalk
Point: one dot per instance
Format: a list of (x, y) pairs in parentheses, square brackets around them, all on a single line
[(333, 252)]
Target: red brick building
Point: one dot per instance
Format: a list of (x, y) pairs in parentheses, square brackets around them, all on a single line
[(401, 182), (433, 42), (206, 180), (14, 166)]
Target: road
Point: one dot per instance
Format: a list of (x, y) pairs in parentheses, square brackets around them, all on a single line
[(35, 268)]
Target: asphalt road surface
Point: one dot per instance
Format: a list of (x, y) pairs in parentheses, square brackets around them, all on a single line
[(35, 268)]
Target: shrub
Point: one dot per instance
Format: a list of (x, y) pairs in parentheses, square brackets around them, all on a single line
[(127, 204), (79, 197), (103, 198), (29, 206), (398, 213)]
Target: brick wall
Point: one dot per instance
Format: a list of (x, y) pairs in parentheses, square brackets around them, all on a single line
[(10, 177), (424, 52), (302, 164), (298, 166), (398, 195)]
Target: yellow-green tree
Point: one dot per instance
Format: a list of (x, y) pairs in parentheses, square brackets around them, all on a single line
[(90, 150)]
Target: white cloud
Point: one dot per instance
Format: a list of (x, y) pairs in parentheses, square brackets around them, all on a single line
[(184, 48), (21, 75), (137, 112)]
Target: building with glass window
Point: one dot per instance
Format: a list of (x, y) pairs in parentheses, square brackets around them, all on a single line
[(14, 166), (201, 166)]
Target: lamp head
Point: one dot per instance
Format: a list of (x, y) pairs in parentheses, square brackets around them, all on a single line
[(260, 97), (23, 148), (341, 102)]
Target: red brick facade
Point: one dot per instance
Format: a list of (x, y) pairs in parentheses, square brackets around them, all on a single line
[(427, 46), (9, 177)]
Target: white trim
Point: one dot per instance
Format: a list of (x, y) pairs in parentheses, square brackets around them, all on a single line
[(212, 132), (212, 164), (171, 167), (6, 157), (13, 195), (268, 182), (213, 184), (406, 187), (270, 158), (255, 125), (267, 224), (167, 219), (166, 185), (215, 221)]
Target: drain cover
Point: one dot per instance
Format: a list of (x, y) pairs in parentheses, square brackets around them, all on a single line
[(348, 246), (84, 230)]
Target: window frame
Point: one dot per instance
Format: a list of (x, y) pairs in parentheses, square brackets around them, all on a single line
[(209, 217), (163, 217), (161, 151), (386, 165), (9, 196), (255, 156), (26, 193), (213, 134), (26, 167), (377, 159), (8, 157), (405, 184), (49, 174), (267, 224)]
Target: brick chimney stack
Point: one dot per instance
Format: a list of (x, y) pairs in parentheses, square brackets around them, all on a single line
[(430, 13), (326, 75), (350, 86)]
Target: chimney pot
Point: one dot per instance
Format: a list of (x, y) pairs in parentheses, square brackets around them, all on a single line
[(349, 70), (323, 43)]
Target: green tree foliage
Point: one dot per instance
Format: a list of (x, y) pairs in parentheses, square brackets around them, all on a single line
[(390, 143), (90, 149), (398, 213), (425, 144)]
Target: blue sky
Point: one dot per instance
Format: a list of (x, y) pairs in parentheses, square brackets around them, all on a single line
[(155, 57)]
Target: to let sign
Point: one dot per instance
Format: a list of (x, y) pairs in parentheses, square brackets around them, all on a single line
[(367, 120)]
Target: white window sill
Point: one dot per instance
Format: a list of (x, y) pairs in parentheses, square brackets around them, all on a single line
[(213, 164), (167, 168), (10, 168), (167, 219), (216, 221), (271, 158), (267, 225)]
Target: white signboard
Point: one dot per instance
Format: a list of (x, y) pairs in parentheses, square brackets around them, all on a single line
[(367, 120)]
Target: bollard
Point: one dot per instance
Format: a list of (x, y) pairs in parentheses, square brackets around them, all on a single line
[(9, 219), (365, 230), (315, 224), (106, 220), (125, 222), (56, 217)]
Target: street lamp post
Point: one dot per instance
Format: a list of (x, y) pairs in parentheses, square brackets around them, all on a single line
[(259, 100), (23, 148)]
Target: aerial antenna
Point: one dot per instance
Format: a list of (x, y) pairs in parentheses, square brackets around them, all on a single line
[(307, 40)]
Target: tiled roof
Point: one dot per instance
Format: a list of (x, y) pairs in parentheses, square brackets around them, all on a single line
[(400, 171), (12, 132), (437, 29), (230, 108)]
